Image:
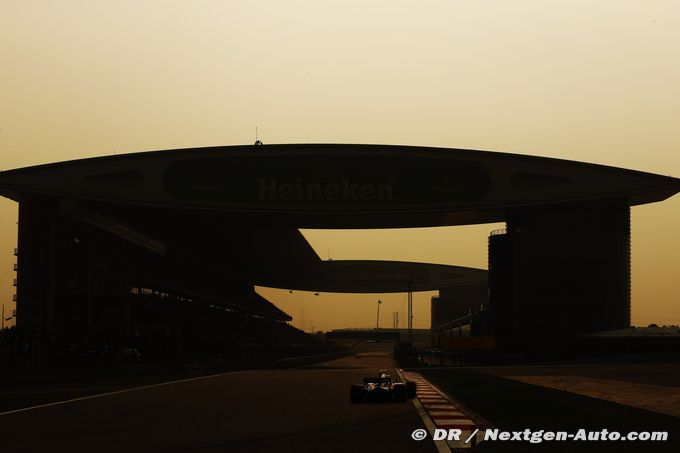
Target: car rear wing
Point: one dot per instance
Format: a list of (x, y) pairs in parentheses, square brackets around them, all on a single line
[(374, 380)]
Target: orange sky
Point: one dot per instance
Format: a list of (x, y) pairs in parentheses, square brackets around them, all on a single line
[(581, 80)]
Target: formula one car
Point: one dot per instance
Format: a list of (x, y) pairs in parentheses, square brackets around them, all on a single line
[(381, 389)]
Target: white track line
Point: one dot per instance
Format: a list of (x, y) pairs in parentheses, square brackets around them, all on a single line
[(24, 409)]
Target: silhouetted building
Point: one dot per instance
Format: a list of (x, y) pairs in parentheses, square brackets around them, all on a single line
[(156, 248), (560, 271), (455, 302)]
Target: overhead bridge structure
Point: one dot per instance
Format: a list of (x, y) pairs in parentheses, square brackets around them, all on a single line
[(100, 238)]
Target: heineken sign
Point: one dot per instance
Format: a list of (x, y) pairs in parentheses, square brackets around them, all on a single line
[(272, 189), (318, 181)]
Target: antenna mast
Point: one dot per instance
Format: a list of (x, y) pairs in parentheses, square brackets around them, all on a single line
[(257, 139)]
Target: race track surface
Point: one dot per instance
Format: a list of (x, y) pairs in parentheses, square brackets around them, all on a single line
[(302, 410)]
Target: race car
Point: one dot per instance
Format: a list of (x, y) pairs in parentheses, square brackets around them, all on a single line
[(381, 389)]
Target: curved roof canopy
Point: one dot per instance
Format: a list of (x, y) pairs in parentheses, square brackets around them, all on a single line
[(361, 276), (337, 185)]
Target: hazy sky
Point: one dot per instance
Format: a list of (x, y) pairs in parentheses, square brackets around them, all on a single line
[(582, 80)]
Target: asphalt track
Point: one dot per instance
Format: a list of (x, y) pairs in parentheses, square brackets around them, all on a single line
[(303, 410)]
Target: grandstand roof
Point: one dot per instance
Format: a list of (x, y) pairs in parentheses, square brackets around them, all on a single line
[(338, 185)]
